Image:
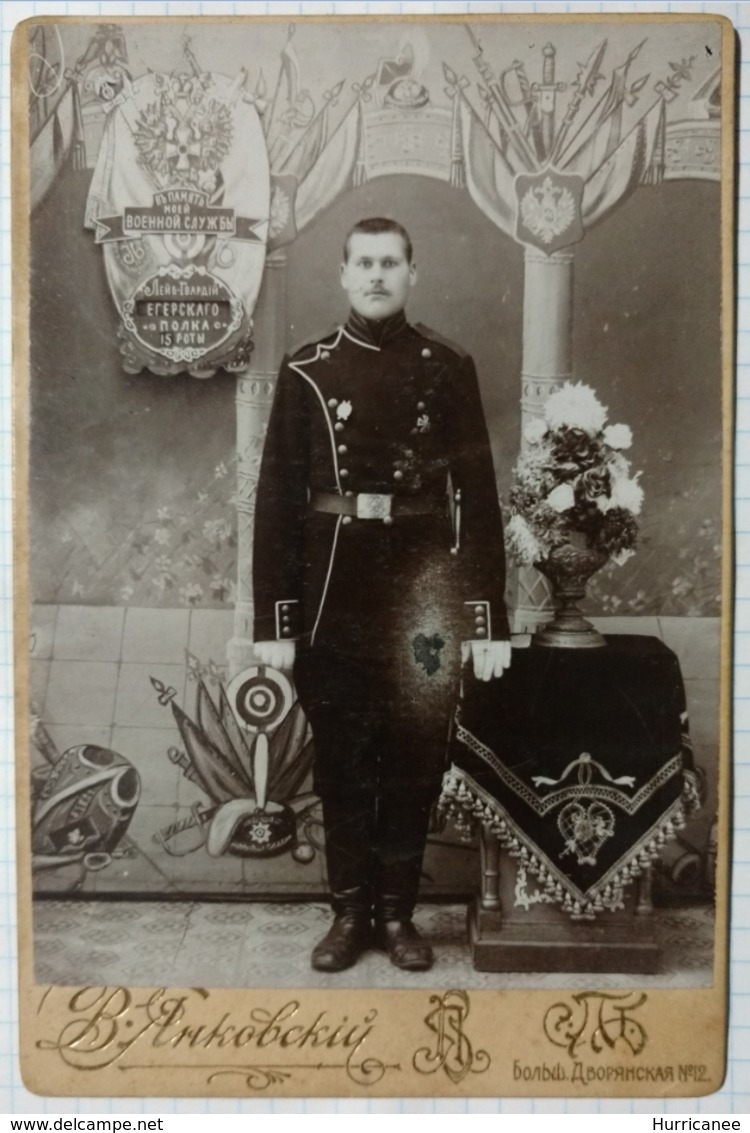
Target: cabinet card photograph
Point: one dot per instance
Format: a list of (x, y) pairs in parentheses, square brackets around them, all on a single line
[(373, 403)]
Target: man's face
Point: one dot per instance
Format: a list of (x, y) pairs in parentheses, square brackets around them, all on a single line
[(377, 276)]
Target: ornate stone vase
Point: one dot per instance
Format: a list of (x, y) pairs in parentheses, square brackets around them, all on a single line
[(569, 568)]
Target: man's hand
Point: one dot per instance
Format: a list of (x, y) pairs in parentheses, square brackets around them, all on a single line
[(491, 658), (275, 654)]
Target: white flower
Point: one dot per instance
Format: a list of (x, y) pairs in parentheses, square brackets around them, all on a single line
[(576, 406), (618, 465), (622, 557), (628, 494), (344, 410), (522, 542), (535, 431), (618, 436), (561, 498)]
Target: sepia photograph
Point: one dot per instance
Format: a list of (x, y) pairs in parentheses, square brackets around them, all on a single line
[(374, 454)]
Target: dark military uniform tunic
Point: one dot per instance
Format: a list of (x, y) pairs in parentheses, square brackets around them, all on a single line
[(378, 606)]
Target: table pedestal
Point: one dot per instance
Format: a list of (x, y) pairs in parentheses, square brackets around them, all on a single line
[(510, 931)]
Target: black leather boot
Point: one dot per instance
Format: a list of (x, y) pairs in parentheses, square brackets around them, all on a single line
[(400, 938), (402, 835), (395, 897), (350, 934), (349, 824)]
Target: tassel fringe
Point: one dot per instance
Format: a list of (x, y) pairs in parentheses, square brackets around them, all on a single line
[(470, 808)]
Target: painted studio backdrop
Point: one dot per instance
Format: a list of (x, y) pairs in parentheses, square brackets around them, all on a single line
[(191, 185)]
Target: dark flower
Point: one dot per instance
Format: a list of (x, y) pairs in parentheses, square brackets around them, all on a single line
[(577, 447), (618, 531), (594, 482)]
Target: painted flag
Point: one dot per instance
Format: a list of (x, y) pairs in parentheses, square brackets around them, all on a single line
[(489, 177), (332, 173), (630, 165), (309, 146)]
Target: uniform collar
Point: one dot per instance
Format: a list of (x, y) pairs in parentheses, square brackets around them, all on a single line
[(376, 332)]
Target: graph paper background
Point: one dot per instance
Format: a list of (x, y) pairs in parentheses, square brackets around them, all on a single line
[(735, 1095)]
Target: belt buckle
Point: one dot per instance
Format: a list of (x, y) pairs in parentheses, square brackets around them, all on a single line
[(374, 505)]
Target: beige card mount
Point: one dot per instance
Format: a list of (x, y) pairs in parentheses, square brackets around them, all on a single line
[(182, 190)]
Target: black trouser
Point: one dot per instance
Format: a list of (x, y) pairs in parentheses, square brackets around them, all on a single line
[(380, 733)]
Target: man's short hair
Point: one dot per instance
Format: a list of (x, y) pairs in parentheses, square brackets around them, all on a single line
[(373, 226)]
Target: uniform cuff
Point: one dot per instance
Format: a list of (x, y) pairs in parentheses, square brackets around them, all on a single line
[(479, 625), (288, 620), (478, 620)]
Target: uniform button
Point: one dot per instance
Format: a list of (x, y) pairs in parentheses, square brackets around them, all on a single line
[(285, 609), (348, 493), (479, 609), (347, 519), (339, 426), (427, 353), (388, 520), (332, 402), (421, 405), (325, 355), (480, 623), (481, 632), (398, 474), (342, 449), (285, 631), (343, 472)]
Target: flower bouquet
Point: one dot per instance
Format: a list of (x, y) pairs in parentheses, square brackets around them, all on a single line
[(573, 504)]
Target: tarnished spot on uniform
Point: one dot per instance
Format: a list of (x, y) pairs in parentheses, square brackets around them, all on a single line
[(427, 652)]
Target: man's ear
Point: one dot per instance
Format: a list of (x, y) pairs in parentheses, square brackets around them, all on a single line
[(413, 272), (343, 275)]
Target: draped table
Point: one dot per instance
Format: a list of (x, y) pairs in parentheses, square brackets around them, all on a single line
[(576, 768)]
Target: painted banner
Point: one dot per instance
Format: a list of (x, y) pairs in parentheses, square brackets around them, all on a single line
[(179, 202)]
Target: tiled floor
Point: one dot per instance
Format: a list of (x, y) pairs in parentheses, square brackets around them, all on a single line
[(91, 683), (91, 671), (187, 944)]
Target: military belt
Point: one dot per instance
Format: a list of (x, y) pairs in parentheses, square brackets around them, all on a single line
[(376, 505)]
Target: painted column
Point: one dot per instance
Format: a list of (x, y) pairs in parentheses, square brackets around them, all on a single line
[(547, 363), (254, 397)]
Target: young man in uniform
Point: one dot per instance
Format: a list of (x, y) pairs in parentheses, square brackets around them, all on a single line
[(378, 570)]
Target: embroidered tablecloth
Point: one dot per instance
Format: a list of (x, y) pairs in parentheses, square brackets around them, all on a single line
[(579, 761)]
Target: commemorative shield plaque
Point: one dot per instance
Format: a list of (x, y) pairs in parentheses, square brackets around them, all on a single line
[(179, 202)]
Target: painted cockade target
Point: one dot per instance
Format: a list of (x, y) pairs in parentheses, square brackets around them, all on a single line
[(179, 202)]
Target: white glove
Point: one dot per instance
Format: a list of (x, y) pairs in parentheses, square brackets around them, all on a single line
[(275, 654), (491, 658)]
